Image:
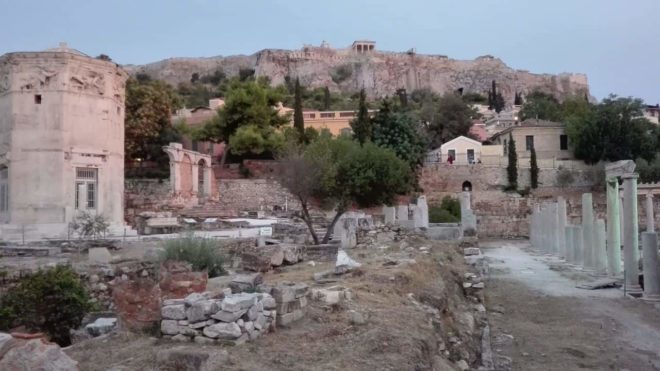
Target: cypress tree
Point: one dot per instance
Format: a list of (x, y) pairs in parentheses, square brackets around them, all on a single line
[(512, 168), (327, 101), (361, 124), (298, 120), (499, 103), (533, 170)]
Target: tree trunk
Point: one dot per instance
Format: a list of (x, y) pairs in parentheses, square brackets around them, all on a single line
[(308, 221), (225, 153), (326, 238)]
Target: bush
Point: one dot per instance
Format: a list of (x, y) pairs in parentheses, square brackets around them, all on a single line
[(341, 73), (89, 225), (202, 253), (449, 211), (52, 301)]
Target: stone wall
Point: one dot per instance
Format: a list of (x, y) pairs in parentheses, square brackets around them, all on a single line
[(506, 214), (148, 195), (254, 194)]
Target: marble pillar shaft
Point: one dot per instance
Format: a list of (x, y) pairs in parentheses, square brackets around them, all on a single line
[(650, 221), (587, 231), (569, 230), (650, 266), (631, 233), (613, 227), (600, 239), (561, 227)]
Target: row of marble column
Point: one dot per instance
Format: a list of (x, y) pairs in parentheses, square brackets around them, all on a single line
[(595, 244)]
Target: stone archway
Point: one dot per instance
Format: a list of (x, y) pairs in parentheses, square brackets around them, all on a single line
[(466, 186)]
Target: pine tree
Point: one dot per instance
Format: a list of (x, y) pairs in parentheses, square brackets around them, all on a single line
[(298, 120), (512, 168), (327, 100), (534, 170), (499, 103), (361, 124)]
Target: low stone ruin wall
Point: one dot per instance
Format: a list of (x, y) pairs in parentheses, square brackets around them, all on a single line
[(234, 319)]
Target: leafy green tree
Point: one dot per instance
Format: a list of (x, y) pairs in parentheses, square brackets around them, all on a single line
[(541, 106), (53, 301), (474, 98), (398, 132), (533, 170), (149, 106), (613, 130), (512, 167), (247, 103), (340, 173), (361, 124), (298, 120), (450, 118)]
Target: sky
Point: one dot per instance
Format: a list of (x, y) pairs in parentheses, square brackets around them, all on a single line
[(615, 42)]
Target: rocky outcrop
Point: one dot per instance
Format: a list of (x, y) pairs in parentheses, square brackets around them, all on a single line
[(380, 73)]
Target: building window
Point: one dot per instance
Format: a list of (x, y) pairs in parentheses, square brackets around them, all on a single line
[(4, 190), (470, 156), (327, 115), (346, 114), (529, 142), (563, 142), (86, 188), (37, 98), (451, 153)]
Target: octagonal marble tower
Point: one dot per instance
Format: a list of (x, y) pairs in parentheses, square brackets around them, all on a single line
[(61, 141)]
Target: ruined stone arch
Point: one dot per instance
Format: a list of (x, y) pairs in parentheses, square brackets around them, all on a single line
[(466, 186)]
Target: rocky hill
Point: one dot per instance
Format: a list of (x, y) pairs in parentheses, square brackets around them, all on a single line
[(380, 73)]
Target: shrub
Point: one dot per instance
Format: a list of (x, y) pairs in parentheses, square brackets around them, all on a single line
[(449, 211), (202, 253), (53, 301), (89, 225), (341, 73)]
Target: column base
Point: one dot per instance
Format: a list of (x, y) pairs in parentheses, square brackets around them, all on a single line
[(651, 297), (633, 289)]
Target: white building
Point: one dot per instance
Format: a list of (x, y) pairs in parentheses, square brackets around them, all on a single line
[(61, 142), (462, 150)]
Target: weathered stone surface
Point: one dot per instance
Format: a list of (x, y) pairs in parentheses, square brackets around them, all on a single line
[(288, 318), (193, 298), (228, 331), (167, 302), (261, 259), (174, 312), (226, 316), (252, 313), (169, 327), (201, 310), (245, 282), (343, 260), (6, 342), (268, 302), (292, 253), (203, 340), (37, 355), (289, 291), (201, 324), (260, 322), (469, 251), (290, 306), (101, 326), (181, 338), (236, 302), (249, 326)]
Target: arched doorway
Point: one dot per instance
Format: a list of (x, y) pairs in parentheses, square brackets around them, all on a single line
[(467, 186), (201, 178)]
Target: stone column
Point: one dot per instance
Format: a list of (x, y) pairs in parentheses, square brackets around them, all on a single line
[(650, 266), (543, 232), (561, 227), (613, 227), (599, 246), (533, 223), (424, 210), (390, 214), (402, 213), (631, 234), (587, 231), (552, 229), (650, 227), (577, 245), (569, 230)]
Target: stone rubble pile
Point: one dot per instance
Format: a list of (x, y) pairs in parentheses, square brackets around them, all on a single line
[(234, 319), (32, 352)]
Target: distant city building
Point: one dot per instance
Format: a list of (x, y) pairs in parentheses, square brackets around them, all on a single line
[(363, 46), (652, 113), (196, 117), (61, 141), (548, 138)]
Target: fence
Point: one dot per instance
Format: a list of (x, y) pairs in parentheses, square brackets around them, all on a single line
[(503, 161)]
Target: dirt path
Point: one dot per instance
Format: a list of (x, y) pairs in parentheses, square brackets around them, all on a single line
[(540, 321)]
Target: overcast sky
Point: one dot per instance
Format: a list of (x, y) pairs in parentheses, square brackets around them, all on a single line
[(615, 42)]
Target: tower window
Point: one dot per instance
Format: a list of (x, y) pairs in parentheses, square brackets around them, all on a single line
[(37, 98), (86, 190)]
